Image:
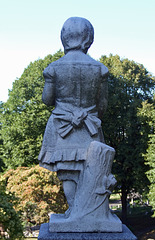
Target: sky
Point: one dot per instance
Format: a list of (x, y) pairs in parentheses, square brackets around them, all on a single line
[(30, 30)]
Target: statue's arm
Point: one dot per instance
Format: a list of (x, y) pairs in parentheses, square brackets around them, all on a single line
[(48, 96), (103, 91)]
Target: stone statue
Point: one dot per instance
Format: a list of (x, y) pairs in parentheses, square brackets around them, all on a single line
[(73, 143)]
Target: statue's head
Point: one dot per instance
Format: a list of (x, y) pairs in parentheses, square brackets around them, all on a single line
[(77, 34)]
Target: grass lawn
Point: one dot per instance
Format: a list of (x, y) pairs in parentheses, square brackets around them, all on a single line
[(141, 222), (31, 238), (115, 197)]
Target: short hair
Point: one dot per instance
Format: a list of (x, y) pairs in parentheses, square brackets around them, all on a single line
[(77, 33)]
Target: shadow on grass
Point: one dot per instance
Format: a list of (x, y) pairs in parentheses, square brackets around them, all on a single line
[(140, 221)]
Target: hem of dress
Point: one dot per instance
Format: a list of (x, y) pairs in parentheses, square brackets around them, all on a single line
[(66, 159)]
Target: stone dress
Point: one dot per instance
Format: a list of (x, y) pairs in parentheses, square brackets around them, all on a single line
[(79, 92)]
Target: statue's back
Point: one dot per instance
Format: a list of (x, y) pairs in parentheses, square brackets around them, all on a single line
[(78, 80), (73, 143)]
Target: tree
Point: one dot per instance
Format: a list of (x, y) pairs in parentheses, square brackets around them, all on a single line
[(25, 116), (148, 113), (129, 85), (1, 141), (151, 173)]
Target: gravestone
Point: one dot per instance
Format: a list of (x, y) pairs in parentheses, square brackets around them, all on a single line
[(73, 143)]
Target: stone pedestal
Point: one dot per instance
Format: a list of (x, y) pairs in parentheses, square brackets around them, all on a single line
[(86, 224), (44, 234)]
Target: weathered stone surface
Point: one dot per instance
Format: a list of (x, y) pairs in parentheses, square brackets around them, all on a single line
[(90, 211), (44, 234), (58, 223), (73, 143)]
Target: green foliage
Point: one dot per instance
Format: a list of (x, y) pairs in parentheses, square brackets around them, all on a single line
[(25, 116), (129, 85), (10, 219), (40, 193), (1, 141), (148, 113)]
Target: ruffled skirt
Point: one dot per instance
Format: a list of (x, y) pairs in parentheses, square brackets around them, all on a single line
[(69, 152)]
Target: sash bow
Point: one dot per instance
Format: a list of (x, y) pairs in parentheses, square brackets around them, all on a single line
[(67, 120)]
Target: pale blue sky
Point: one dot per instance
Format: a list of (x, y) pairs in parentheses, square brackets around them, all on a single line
[(30, 29)]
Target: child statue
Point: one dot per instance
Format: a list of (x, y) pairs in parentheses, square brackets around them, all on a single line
[(76, 85)]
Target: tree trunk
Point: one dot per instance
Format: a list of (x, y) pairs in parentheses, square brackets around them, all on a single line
[(124, 204)]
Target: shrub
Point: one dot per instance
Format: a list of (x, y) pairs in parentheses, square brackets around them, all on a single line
[(10, 219), (40, 193)]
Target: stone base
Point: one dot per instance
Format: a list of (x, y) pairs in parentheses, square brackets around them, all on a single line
[(58, 223), (44, 234)]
